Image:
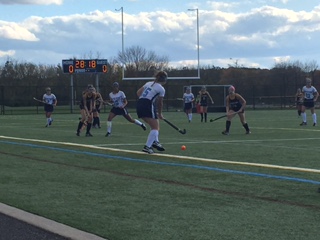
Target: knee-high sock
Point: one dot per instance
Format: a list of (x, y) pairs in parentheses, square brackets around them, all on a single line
[(314, 117), (304, 117), (153, 136), (79, 126), (137, 122), (246, 127), (89, 127), (109, 126), (228, 124)]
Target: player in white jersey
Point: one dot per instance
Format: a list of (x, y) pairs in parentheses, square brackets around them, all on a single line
[(119, 102), (149, 108), (50, 101), (310, 96), (188, 99)]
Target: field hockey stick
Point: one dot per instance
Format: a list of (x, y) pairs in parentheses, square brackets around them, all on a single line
[(182, 131), (105, 102), (215, 119), (41, 101), (180, 99)]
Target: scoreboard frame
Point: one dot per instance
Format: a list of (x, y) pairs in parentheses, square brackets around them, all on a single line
[(73, 66)]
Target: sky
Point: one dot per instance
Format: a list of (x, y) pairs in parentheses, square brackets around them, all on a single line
[(248, 33)]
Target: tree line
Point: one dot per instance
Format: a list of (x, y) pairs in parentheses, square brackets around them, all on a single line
[(22, 80)]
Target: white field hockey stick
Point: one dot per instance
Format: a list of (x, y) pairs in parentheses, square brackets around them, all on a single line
[(38, 100), (105, 102)]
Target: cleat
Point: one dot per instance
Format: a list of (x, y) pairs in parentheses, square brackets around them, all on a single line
[(89, 135), (78, 133), (143, 126), (147, 149), (46, 125), (158, 146), (225, 133), (108, 134), (314, 124), (248, 132), (303, 124)]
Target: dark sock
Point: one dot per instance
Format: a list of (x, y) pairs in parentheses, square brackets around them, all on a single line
[(98, 121), (299, 112), (246, 127), (94, 121), (228, 124), (88, 127), (201, 117), (79, 126), (205, 117)]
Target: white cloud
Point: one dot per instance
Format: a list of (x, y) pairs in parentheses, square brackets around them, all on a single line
[(266, 33), (16, 32), (31, 2), (9, 53)]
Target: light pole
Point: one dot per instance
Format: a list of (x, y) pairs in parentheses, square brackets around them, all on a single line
[(122, 36), (198, 45)]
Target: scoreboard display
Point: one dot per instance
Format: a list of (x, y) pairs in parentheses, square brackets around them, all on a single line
[(85, 66)]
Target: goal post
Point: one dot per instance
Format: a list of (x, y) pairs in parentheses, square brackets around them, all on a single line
[(217, 92)]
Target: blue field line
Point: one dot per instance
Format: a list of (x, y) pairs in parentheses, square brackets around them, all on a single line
[(293, 179)]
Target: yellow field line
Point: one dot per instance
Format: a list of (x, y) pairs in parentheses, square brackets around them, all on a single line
[(310, 170)]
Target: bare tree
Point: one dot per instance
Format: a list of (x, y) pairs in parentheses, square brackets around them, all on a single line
[(136, 58)]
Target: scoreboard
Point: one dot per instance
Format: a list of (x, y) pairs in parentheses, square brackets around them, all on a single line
[(85, 66)]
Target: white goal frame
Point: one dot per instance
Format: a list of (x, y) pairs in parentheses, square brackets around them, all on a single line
[(218, 99)]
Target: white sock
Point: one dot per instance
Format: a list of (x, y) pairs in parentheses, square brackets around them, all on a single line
[(314, 117), (137, 122), (304, 117), (109, 126), (190, 116), (153, 135), (48, 120)]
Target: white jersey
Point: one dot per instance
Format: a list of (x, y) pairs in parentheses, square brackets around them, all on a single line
[(50, 99), (117, 98), (309, 92), (188, 97), (152, 90)]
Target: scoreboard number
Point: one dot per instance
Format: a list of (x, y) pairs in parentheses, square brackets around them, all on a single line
[(85, 66)]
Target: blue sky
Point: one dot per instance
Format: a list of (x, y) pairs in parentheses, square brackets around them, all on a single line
[(253, 33)]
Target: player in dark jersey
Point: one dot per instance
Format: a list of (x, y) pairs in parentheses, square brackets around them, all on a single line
[(87, 105), (204, 97), (235, 105), (96, 112), (299, 100)]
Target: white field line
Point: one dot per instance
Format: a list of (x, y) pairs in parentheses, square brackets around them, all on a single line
[(302, 128), (214, 141), (169, 155)]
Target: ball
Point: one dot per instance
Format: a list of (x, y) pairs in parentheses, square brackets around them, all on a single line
[(183, 147)]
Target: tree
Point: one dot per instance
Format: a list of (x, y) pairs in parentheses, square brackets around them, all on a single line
[(137, 59)]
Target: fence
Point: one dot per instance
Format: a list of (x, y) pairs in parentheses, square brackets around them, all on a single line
[(19, 99)]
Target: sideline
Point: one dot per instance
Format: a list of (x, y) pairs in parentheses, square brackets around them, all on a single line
[(298, 169), (47, 224)]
